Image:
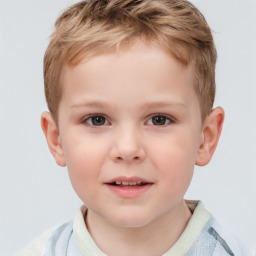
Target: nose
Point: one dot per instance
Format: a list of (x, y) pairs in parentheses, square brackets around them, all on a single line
[(127, 147)]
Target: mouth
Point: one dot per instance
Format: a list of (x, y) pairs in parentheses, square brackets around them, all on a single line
[(129, 187)]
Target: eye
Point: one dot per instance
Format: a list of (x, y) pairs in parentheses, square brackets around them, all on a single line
[(96, 120), (159, 120)]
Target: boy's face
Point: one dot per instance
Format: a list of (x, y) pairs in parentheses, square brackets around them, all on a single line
[(131, 116)]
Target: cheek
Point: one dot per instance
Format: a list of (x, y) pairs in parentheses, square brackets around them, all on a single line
[(84, 158), (82, 153), (174, 158), (179, 149)]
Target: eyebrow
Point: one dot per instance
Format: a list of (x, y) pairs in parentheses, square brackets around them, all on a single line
[(91, 104), (163, 104)]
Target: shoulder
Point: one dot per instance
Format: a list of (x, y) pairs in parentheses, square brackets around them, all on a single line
[(210, 237), (227, 241), (40, 244), (36, 247)]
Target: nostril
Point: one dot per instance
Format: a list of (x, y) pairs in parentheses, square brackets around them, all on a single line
[(136, 158)]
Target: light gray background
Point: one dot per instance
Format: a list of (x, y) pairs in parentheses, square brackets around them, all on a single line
[(36, 193)]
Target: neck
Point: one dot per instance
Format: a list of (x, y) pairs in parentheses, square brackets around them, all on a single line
[(155, 238)]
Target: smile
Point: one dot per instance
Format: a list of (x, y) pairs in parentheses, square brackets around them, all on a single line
[(129, 187)]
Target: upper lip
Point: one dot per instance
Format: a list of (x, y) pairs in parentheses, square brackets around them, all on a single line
[(128, 179)]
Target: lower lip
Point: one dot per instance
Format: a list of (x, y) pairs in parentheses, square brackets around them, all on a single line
[(129, 192)]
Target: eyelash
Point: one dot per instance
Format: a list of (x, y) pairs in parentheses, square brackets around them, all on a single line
[(162, 117), (92, 118), (86, 120)]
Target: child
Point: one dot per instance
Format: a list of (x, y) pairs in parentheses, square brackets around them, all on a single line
[(130, 86)]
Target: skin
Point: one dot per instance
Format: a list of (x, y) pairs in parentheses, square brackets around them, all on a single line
[(129, 91)]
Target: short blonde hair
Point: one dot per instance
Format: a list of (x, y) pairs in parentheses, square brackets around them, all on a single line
[(96, 26)]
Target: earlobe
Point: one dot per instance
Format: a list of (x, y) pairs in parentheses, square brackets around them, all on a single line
[(210, 136), (51, 133)]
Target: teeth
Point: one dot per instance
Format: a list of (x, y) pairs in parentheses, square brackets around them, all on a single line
[(130, 183)]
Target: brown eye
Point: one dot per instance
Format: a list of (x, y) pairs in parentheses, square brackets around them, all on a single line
[(159, 120), (96, 120)]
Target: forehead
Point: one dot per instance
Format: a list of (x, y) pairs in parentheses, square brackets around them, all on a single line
[(129, 71)]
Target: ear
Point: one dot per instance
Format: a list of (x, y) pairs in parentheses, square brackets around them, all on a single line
[(52, 136), (212, 128)]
